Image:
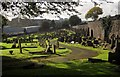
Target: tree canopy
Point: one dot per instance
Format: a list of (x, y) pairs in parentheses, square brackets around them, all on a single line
[(94, 13), (34, 9), (3, 21), (45, 25), (52, 24), (74, 20), (107, 26), (65, 23)]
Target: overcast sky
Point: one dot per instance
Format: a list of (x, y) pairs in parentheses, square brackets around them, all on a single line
[(108, 9)]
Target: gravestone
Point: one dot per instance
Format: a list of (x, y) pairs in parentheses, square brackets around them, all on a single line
[(14, 45), (55, 42), (83, 43), (114, 55), (11, 52), (19, 43), (90, 38), (89, 43), (48, 50), (112, 41), (54, 49), (84, 39), (96, 42), (42, 43)]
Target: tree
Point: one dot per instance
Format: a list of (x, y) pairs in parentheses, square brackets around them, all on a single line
[(94, 13), (65, 24), (45, 25), (3, 23), (74, 20), (107, 26), (34, 9), (53, 24)]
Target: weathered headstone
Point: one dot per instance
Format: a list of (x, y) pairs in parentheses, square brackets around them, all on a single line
[(89, 43), (55, 42), (11, 52), (114, 55), (48, 50), (112, 41), (14, 45), (19, 43), (54, 49), (83, 43)]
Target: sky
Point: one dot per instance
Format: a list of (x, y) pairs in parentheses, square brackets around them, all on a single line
[(108, 9)]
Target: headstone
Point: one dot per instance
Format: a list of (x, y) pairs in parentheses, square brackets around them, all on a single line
[(96, 42), (11, 52), (48, 50), (83, 43), (54, 49), (55, 42), (19, 43), (14, 45), (114, 55), (89, 43), (84, 39), (112, 41)]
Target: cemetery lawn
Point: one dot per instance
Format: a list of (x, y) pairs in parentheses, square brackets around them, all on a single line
[(75, 68), (25, 50), (13, 65)]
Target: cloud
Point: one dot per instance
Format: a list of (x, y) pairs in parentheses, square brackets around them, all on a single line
[(108, 9)]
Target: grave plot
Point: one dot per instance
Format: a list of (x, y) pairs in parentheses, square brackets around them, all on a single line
[(58, 50)]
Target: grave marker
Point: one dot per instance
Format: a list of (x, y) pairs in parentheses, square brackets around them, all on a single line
[(19, 43), (114, 55)]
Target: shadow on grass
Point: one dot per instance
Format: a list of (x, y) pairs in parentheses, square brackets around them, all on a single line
[(62, 48), (17, 67)]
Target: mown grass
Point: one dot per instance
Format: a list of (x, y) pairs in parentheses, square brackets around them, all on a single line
[(103, 54), (63, 52), (67, 68), (25, 55), (75, 67)]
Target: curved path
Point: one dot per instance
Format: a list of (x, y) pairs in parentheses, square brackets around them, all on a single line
[(76, 54)]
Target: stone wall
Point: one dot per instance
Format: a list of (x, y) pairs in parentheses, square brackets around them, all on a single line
[(95, 29), (98, 31), (115, 28)]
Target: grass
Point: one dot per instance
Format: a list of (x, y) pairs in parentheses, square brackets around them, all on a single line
[(25, 55), (67, 68), (103, 54), (76, 67), (63, 52), (17, 55)]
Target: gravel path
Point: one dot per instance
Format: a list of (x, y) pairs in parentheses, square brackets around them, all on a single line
[(76, 54)]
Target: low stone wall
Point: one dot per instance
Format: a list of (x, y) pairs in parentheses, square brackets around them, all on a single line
[(95, 28)]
